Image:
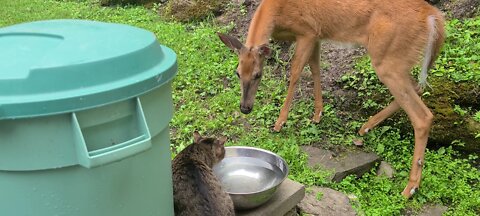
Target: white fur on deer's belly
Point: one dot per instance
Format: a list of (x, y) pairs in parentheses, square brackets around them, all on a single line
[(343, 45)]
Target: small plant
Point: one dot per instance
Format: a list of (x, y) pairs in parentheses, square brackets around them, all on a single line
[(319, 196), (364, 80), (457, 109), (476, 117)]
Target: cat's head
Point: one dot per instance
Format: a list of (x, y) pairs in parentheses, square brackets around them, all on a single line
[(213, 145)]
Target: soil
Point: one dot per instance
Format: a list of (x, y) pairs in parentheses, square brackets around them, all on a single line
[(460, 8)]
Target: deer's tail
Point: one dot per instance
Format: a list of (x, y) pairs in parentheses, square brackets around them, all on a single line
[(435, 40)]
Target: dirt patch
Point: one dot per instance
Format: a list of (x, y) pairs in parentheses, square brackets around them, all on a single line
[(240, 12), (460, 9)]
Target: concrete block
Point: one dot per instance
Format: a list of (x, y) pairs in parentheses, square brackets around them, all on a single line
[(287, 196)]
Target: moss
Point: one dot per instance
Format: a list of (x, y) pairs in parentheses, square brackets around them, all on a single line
[(450, 125)]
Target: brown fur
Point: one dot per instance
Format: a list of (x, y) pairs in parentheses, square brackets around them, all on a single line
[(396, 34), (196, 189)]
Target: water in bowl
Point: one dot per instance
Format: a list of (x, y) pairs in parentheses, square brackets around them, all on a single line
[(247, 174)]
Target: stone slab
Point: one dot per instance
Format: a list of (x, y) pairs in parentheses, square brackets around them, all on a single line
[(350, 162), (433, 210), (320, 201), (287, 196)]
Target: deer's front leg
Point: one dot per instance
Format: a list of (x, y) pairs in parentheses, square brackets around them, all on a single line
[(303, 50), (314, 63), (392, 108)]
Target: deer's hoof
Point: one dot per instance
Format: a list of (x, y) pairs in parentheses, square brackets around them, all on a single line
[(364, 130), (278, 126), (409, 191), (316, 117)]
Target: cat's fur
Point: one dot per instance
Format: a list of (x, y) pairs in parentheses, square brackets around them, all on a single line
[(196, 189)]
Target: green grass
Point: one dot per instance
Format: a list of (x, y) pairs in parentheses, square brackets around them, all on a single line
[(460, 58), (206, 98)]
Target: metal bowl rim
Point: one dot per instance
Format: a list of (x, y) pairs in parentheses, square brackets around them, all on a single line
[(268, 152)]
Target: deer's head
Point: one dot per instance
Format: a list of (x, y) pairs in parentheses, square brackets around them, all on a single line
[(249, 69)]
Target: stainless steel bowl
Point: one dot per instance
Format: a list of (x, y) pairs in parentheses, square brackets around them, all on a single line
[(250, 175)]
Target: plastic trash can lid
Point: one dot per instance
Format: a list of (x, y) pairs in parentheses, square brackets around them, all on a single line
[(58, 66)]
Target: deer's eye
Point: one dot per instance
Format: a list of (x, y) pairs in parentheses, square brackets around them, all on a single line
[(257, 76)]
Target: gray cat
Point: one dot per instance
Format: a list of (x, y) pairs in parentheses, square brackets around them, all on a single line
[(196, 189)]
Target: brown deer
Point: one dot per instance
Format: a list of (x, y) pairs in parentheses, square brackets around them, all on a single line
[(395, 33)]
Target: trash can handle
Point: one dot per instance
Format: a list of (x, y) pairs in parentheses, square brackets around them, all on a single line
[(89, 159)]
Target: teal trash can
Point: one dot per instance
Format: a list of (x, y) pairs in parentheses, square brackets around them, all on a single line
[(84, 114)]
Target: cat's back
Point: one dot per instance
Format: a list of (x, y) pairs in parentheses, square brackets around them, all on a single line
[(197, 191)]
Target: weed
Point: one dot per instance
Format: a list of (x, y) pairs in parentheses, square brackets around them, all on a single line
[(476, 117), (457, 109)]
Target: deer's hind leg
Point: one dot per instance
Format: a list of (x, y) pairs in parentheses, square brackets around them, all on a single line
[(395, 75), (392, 58)]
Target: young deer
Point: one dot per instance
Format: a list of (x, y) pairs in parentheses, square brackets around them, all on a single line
[(395, 33)]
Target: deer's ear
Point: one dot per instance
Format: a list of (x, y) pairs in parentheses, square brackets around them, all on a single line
[(231, 42), (196, 137), (264, 50)]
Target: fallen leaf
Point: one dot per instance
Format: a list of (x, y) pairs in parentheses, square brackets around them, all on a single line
[(358, 142)]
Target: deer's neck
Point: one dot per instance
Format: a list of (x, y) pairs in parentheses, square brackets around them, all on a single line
[(262, 25)]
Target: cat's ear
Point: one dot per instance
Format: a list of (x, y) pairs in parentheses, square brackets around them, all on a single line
[(222, 140), (196, 137)]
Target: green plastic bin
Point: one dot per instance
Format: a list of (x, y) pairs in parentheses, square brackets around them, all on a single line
[(84, 113)]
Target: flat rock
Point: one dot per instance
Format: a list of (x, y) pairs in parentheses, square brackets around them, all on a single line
[(321, 201), (287, 196), (433, 210), (350, 162)]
